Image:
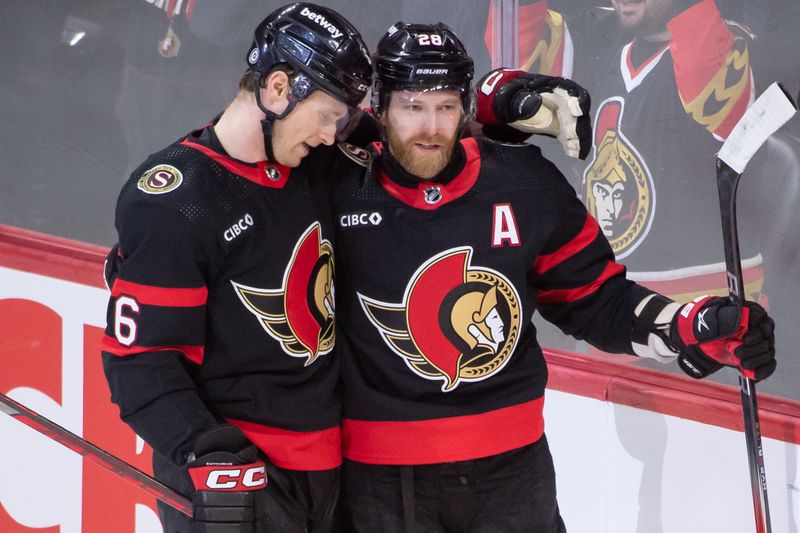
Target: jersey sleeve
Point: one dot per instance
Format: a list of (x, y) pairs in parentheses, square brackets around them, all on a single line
[(712, 68), (579, 286), (155, 330)]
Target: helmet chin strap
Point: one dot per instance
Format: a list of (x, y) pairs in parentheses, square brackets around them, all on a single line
[(269, 119)]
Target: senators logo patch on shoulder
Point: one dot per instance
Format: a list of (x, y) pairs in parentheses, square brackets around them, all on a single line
[(356, 153), (160, 179)]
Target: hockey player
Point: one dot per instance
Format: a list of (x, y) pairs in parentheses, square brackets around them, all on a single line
[(683, 68), (220, 322), (445, 249)]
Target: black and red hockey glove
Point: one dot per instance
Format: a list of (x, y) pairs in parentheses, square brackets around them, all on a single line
[(226, 473), (512, 104), (707, 336)]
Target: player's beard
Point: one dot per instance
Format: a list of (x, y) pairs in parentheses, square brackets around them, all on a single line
[(654, 17), (419, 164)]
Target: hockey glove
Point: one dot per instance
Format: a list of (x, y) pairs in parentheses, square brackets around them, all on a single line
[(112, 265), (707, 336), (534, 103), (226, 473)]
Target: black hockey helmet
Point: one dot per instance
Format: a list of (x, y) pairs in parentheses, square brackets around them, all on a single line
[(322, 50), (315, 42), (421, 57)]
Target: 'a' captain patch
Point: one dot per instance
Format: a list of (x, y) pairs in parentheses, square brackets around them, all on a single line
[(160, 179)]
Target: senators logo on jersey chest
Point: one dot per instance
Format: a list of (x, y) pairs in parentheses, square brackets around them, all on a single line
[(300, 314), (456, 322)]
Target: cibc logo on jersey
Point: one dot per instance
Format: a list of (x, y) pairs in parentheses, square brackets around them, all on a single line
[(360, 219), (239, 227), (456, 322), (300, 314)]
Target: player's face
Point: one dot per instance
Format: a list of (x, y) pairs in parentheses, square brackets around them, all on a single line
[(422, 128), (643, 17), (312, 122)]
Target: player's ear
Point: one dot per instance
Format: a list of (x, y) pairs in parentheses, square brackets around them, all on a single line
[(275, 92)]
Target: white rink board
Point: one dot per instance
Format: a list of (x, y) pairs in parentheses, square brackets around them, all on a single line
[(619, 469), (626, 470), (56, 502)]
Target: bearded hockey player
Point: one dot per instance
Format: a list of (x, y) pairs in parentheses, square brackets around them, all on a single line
[(445, 249), (667, 96), (220, 323)]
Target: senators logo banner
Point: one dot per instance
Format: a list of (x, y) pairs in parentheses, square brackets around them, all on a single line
[(617, 186), (456, 322), (300, 314)]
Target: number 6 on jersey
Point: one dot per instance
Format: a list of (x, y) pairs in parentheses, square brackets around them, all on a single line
[(125, 338)]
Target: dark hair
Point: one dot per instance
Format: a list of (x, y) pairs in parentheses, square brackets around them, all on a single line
[(246, 82)]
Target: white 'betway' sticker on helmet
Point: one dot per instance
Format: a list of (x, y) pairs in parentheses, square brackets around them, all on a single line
[(320, 19)]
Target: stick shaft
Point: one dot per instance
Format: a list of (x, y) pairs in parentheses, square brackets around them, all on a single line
[(728, 182), (113, 464)]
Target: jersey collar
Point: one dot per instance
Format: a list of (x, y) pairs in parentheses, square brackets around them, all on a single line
[(432, 194), (264, 173), (633, 75)]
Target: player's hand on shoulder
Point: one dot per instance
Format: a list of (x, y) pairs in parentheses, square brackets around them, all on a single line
[(536, 104), (226, 472), (709, 333)]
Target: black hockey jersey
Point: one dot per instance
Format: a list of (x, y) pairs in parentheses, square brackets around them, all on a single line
[(222, 307), (437, 284), (661, 110)]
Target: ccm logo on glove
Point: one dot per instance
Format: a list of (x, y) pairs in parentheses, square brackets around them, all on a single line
[(229, 477)]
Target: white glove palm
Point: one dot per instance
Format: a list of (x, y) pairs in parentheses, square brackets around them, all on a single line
[(557, 116)]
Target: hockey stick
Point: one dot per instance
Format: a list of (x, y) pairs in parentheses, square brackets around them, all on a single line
[(100, 457), (767, 114)]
